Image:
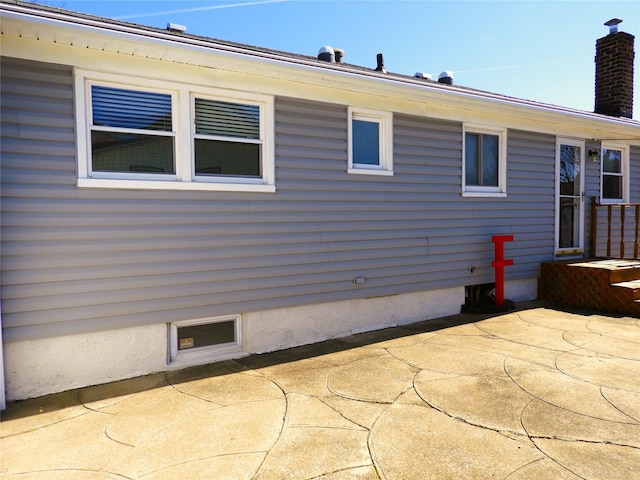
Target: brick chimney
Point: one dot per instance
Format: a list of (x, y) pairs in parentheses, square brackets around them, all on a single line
[(614, 72)]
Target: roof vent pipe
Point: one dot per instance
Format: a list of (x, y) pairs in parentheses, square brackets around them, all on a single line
[(380, 67), (446, 78), (339, 55), (426, 76), (327, 54), (176, 27)]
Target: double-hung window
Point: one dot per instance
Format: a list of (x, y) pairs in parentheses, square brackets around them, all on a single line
[(484, 161), (614, 174), (131, 132), (227, 140), (370, 142), (159, 135)]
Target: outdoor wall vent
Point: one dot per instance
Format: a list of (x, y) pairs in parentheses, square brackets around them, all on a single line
[(176, 27), (446, 78)]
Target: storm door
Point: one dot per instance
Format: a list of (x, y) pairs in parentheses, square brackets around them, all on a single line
[(569, 196)]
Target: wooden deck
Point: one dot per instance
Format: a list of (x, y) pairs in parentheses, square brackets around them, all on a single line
[(611, 285)]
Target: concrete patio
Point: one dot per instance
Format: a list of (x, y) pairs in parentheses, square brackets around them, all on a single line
[(537, 393)]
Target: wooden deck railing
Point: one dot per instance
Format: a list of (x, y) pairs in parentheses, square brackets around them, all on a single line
[(614, 221)]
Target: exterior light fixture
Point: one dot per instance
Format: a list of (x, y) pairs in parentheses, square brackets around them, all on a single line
[(594, 155)]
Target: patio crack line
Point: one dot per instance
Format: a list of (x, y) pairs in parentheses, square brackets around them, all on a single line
[(499, 431), (377, 469), (553, 404), (174, 386), (635, 420), (341, 414), (338, 471), (258, 452), (283, 426), (118, 475), (507, 339), (344, 395), (535, 445), (607, 335), (49, 424), (106, 434), (525, 466), (599, 385), (581, 346)]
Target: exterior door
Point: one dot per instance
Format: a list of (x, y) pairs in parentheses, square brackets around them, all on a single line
[(569, 196)]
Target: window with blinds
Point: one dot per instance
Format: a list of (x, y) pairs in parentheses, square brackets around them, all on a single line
[(131, 131), (227, 139), (145, 133)]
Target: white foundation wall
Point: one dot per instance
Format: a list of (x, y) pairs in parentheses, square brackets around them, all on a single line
[(39, 367), (289, 327), (521, 290)]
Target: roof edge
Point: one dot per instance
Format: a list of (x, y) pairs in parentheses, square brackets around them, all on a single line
[(22, 9)]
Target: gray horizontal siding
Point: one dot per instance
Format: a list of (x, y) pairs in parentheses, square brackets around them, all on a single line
[(77, 260)]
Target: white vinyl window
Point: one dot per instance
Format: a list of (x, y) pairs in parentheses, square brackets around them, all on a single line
[(144, 134), (205, 340), (484, 162), (227, 140), (370, 142), (131, 133), (614, 174)]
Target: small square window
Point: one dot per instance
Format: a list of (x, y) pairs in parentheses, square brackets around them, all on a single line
[(370, 142), (208, 339), (484, 162)]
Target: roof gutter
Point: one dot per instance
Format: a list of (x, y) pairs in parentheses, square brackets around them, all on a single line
[(53, 18)]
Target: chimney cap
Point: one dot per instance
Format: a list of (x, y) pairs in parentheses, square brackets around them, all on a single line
[(613, 24)]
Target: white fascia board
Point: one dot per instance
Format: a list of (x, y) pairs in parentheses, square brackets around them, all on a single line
[(243, 60)]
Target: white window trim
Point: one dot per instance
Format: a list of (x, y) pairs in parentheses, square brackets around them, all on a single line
[(385, 123), (212, 353), (481, 191), (624, 168), (182, 113)]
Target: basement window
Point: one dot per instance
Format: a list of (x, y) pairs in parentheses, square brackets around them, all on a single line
[(205, 340)]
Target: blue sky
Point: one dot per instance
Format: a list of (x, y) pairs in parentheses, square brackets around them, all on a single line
[(539, 50)]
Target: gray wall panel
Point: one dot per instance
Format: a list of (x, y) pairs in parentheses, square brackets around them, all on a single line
[(77, 260)]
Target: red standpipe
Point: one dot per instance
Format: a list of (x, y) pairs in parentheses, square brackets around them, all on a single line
[(499, 263)]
